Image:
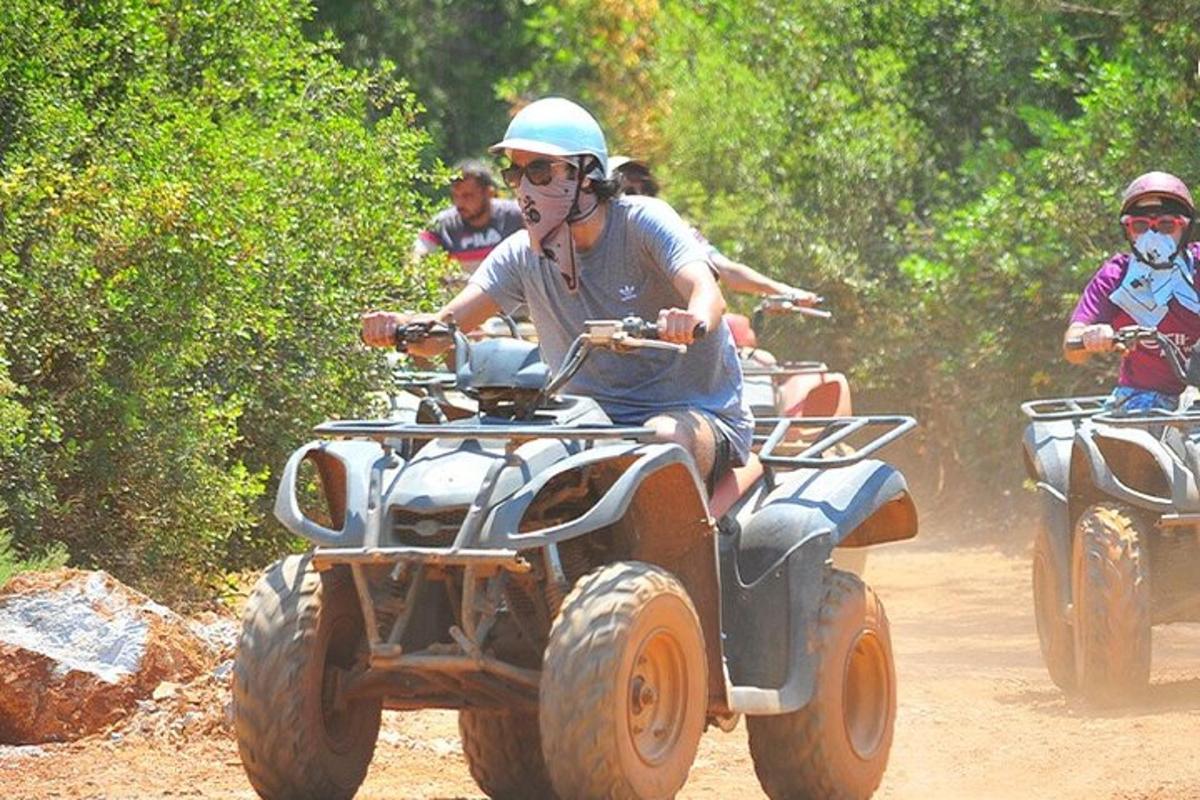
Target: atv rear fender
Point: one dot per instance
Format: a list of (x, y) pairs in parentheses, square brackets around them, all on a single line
[(773, 567)]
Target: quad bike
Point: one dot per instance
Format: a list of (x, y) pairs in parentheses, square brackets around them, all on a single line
[(1117, 548), (795, 389), (570, 587), (791, 388)]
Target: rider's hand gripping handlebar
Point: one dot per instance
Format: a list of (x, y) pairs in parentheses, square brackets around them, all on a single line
[(412, 332)]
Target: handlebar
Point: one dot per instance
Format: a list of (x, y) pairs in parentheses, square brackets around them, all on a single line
[(1131, 334), (786, 304), (420, 331)]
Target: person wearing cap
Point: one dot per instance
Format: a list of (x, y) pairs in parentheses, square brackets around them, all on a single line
[(476, 221), (1153, 285), (637, 179), (588, 253)]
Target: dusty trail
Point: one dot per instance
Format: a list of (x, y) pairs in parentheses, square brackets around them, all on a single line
[(978, 717)]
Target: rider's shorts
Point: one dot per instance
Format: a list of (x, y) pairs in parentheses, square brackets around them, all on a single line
[(723, 455), (1129, 400)]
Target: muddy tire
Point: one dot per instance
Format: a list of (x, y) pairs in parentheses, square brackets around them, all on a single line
[(1111, 589), (297, 740), (624, 686), (504, 752), (1053, 627), (837, 746)]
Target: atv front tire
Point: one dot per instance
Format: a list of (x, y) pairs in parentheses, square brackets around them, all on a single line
[(298, 737), (1053, 627), (836, 746), (1111, 586), (624, 689), (504, 752)]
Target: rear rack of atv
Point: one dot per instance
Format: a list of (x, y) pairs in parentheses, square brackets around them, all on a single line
[(779, 439), (785, 370), (1064, 408)]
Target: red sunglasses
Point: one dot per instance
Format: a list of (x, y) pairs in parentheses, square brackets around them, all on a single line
[(1169, 224)]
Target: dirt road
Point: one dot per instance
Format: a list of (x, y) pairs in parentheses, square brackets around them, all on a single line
[(978, 717)]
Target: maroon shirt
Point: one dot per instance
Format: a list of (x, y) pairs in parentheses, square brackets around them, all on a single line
[(1143, 367)]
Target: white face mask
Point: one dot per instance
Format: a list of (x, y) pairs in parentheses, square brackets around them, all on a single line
[(547, 211), (1156, 249)]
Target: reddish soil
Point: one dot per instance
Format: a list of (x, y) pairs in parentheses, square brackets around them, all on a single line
[(978, 715)]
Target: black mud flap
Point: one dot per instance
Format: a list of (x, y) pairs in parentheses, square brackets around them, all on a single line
[(773, 580)]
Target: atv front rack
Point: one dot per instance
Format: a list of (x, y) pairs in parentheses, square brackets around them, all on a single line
[(1152, 416), (384, 431), (1064, 408), (781, 434)]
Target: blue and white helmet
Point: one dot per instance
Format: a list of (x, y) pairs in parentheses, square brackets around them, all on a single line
[(556, 126)]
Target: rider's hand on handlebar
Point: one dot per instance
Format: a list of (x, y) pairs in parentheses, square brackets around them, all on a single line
[(379, 330), (802, 298), (1098, 338), (677, 325), (379, 327)]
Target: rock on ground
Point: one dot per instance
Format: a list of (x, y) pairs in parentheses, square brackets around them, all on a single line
[(79, 649)]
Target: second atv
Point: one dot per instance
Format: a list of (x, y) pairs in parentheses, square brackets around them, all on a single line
[(1117, 550)]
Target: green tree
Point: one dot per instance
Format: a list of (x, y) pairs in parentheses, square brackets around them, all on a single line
[(451, 52), (195, 205)]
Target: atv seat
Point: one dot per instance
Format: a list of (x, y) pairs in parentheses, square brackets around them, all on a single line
[(732, 485)]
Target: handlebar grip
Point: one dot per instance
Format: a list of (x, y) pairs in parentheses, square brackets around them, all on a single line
[(649, 330), (1074, 343)]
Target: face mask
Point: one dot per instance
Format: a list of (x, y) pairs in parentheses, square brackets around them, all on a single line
[(1155, 249), (547, 211)]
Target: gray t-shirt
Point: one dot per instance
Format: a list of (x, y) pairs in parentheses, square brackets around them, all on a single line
[(627, 272)]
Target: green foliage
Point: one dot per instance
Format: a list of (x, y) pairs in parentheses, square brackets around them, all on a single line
[(451, 52), (945, 172), (194, 208)]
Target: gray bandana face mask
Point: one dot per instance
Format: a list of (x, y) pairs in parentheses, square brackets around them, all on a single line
[(548, 211)]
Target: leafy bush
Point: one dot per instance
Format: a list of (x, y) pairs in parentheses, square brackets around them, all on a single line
[(195, 206)]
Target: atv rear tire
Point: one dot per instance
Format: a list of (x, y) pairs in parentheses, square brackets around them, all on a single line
[(1053, 626), (297, 738), (836, 746), (504, 753), (624, 690), (1111, 589)]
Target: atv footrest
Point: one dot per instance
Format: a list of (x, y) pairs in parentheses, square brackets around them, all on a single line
[(510, 560)]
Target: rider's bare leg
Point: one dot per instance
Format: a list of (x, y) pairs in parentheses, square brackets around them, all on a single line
[(689, 430)]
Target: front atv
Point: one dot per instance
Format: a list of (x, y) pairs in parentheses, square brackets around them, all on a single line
[(569, 587), (1118, 546)]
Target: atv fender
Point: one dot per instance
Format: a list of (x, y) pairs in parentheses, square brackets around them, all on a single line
[(773, 567), (1131, 465), (351, 473), (1047, 448), (638, 462), (654, 511)]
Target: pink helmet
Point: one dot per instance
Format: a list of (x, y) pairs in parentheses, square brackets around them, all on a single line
[(1161, 184)]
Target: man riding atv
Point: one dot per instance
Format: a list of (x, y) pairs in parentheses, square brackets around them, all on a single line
[(1152, 286), (589, 254)]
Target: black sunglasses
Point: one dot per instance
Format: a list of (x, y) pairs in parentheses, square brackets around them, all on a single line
[(539, 171)]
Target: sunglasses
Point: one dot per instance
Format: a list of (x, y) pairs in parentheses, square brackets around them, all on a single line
[(540, 172), (1169, 224)]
